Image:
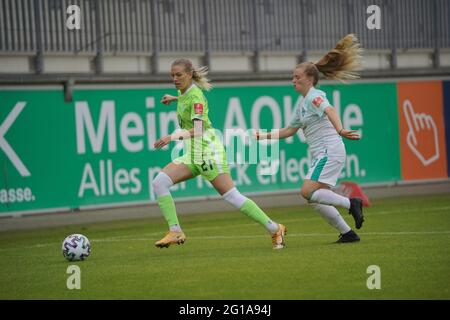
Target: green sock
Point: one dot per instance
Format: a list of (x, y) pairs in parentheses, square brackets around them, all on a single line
[(251, 210), (168, 209)]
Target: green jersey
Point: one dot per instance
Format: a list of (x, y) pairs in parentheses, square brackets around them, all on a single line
[(192, 105), (203, 155)]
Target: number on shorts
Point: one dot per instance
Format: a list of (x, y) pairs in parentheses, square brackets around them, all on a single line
[(205, 166)]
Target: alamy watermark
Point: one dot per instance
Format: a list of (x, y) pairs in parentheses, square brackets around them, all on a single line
[(374, 20), (374, 280), (74, 280), (73, 21), (234, 146)]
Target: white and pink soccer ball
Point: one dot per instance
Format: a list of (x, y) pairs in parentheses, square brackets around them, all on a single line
[(76, 247)]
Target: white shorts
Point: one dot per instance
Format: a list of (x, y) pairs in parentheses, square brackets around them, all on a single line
[(326, 169)]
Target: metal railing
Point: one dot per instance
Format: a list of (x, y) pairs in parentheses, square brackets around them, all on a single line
[(206, 26)]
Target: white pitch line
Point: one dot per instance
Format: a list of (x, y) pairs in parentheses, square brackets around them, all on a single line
[(317, 217), (157, 234), (289, 235), (295, 235), (413, 210)]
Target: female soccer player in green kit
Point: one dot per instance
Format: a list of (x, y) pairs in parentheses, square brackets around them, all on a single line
[(205, 155), (323, 131)]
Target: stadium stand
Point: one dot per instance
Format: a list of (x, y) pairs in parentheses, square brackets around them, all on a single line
[(135, 40)]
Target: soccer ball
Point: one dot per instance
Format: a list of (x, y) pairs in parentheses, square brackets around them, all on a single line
[(76, 247)]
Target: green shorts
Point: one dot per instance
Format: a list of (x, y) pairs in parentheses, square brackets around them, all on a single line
[(209, 165)]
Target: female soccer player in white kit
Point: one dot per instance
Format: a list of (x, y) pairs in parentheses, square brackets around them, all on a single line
[(323, 131)]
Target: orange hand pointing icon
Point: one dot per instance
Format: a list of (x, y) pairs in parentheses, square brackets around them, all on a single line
[(422, 137), (422, 131)]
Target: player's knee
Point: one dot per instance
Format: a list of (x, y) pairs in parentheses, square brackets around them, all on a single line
[(161, 184), (305, 193)]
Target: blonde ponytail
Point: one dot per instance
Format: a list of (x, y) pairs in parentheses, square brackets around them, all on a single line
[(199, 76), (342, 62)]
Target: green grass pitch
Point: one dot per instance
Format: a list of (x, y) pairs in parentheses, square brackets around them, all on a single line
[(227, 256)]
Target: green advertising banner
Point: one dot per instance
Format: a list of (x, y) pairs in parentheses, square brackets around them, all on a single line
[(98, 149)]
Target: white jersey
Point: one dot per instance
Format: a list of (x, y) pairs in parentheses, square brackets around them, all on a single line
[(320, 134)]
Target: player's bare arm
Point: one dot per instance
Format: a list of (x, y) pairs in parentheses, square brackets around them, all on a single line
[(276, 134), (337, 124), (196, 131), (168, 99)]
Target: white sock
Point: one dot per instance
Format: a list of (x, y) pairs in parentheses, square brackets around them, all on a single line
[(234, 197), (332, 216), (175, 228), (325, 196), (272, 227), (161, 184)]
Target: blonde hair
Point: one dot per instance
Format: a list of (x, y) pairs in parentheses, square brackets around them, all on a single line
[(198, 74), (340, 63)]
